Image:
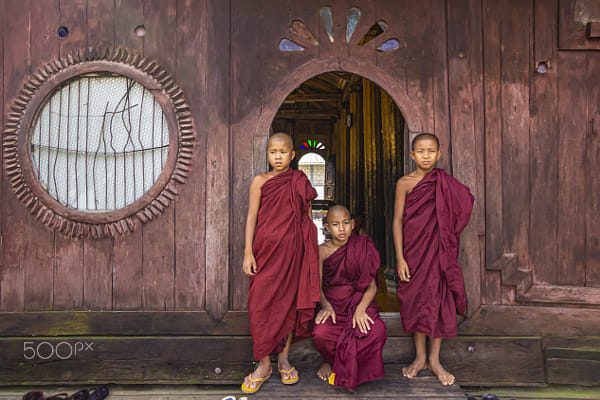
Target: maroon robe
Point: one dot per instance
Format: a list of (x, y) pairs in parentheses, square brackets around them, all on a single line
[(435, 213), (356, 357), (285, 289)]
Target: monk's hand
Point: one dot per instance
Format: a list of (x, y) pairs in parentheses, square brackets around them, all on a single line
[(249, 264), (362, 320), (403, 271), (323, 314)]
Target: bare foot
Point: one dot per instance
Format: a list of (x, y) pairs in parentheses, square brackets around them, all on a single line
[(262, 371), (445, 377), (324, 372), (283, 364), (414, 368)]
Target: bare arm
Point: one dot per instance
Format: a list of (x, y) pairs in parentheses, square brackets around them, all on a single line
[(401, 265), (249, 263), (360, 317)]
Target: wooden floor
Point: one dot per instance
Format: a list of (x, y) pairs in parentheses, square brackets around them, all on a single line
[(393, 386)]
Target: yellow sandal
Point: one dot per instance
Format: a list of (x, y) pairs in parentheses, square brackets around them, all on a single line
[(288, 381), (260, 381)]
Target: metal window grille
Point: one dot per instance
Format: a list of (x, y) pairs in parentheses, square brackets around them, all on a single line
[(99, 142)]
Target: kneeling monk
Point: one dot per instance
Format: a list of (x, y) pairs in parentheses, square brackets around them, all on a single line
[(348, 331)]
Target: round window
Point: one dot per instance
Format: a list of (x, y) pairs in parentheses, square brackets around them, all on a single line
[(97, 143)]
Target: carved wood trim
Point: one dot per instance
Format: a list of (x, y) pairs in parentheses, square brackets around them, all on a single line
[(512, 274), (77, 224)]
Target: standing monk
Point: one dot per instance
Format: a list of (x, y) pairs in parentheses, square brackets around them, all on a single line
[(431, 210), (348, 331), (281, 259)]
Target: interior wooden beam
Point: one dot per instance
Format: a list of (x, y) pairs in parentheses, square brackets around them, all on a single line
[(297, 114), (313, 97)]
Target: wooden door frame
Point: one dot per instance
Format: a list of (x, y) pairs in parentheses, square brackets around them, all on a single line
[(414, 119)]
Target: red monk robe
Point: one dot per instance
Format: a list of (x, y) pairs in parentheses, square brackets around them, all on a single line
[(285, 289), (435, 213), (355, 357)]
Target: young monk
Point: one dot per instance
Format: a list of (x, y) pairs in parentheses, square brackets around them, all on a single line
[(348, 331), (431, 210), (281, 259)]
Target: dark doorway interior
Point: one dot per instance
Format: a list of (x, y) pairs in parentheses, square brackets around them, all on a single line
[(356, 127)]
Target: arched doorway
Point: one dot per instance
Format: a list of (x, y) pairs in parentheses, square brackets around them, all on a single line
[(359, 134)]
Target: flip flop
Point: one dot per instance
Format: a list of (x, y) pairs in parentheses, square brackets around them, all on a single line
[(331, 379), (260, 382), (288, 381)]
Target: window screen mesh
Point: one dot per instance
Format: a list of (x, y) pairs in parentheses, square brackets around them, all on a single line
[(99, 143)]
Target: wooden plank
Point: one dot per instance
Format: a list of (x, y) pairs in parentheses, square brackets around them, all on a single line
[(464, 149), (127, 15), (515, 34), (562, 295), (246, 97), (592, 180), (190, 277), (134, 323), (39, 256), (369, 149), (124, 360), (68, 272), (218, 206), (440, 106), (574, 15), (531, 321), (544, 153), (355, 140), (158, 236), (419, 68), (572, 112), (470, 359), (491, 290), (127, 270), (98, 254), (572, 372)]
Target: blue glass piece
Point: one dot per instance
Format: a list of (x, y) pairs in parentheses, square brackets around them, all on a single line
[(63, 31), (390, 45), (353, 17), (302, 147), (288, 45), (327, 17)]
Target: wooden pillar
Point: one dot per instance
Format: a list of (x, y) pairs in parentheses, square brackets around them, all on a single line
[(354, 164), (390, 171)]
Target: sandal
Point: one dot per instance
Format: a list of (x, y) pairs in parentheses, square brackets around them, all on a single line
[(81, 395), (260, 382), (98, 393), (60, 396), (288, 381), (35, 395)]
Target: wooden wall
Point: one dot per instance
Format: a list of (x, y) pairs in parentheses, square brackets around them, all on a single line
[(525, 142)]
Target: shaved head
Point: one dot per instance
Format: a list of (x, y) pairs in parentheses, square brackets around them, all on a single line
[(282, 136), (337, 208), (423, 136)]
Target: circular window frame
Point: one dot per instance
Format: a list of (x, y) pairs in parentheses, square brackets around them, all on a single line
[(30, 101)]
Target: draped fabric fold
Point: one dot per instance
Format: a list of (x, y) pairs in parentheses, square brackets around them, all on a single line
[(435, 213), (284, 292), (355, 357)]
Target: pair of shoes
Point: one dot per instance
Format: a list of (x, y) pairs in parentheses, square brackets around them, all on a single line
[(260, 382), (60, 396), (288, 380)]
